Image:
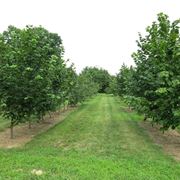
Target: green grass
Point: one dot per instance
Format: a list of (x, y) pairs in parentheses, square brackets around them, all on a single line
[(99, 140)]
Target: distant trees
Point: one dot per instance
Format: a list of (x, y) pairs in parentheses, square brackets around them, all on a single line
[(153, 86), (84, 88), (98, 76), (112, 89), (123, 80)]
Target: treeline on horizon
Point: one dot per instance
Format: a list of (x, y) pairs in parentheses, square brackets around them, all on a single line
[(35, 78)]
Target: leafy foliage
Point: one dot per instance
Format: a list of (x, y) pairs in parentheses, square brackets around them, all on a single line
[(123, 80), (30, 60), (153, 86), (34, 77), (84, 88), (112, 89), (99, 76)]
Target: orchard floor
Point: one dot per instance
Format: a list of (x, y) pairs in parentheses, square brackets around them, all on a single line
[(101, 139), (169, 140), (24, 134)]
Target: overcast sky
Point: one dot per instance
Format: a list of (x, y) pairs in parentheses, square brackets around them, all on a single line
[(98, 33)]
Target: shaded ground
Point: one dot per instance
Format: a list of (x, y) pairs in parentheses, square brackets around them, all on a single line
[(169, 140), (22, 133)]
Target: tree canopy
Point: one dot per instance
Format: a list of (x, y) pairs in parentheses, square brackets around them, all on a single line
[(154, 83), (34, 77)]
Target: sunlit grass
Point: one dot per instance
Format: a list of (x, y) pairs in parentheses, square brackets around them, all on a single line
[(99, 140)]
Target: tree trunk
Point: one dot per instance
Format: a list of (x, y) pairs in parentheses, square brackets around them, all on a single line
[(59, 110), (145, 118), (49, 114), (129, 107), (30, 124), (11, 129), (67, 107), (42, 118)]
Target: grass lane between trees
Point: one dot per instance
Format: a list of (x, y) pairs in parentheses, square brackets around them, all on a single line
[(99, 140)]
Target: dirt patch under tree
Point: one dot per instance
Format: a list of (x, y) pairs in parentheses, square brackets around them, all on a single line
[(22, 133), (169, 140)]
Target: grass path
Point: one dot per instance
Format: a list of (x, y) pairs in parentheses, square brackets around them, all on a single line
[(99, 140)]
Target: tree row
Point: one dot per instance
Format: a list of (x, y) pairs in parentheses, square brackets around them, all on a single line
[(152, 86), (36, 80)]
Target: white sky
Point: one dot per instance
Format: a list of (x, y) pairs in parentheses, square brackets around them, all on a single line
[(98, 33)]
